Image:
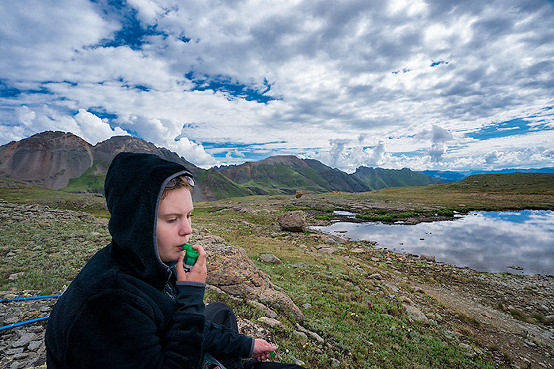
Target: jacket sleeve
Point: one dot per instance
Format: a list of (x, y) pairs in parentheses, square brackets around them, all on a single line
[(220, 340), (119, 330)]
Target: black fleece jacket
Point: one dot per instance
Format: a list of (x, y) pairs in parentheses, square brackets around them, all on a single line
[(124, 309)]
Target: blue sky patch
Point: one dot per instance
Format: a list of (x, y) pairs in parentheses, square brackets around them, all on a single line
[(232, 88), (131, 33), (7, 90), (101, 113), (438, 62), (505, 129)]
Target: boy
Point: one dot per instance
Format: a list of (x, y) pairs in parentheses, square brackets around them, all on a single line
[(133, 305)]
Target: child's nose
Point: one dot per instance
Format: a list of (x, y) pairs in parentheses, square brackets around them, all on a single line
[(186, 227)]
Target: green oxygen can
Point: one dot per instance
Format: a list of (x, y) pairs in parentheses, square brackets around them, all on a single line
[(191, 255)]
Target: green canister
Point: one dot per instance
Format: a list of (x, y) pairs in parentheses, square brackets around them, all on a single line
[(191, 255)]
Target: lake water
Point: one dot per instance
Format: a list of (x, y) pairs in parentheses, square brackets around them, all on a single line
[(485, 241)]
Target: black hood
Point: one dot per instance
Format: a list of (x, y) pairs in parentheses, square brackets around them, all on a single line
[(133, 188)]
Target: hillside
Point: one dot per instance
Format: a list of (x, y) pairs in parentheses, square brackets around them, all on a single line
[(286, 174), (59, 160), (377, 178)]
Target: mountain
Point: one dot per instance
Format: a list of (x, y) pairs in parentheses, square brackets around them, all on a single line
[(48, 158), (450, 176), (377, 178), (286, 174), (276, 175), (63, 160)]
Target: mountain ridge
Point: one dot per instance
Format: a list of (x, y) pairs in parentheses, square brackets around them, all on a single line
[(62, 160)]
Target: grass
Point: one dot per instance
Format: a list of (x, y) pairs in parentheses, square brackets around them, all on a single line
[(360, 319), (361, 323)]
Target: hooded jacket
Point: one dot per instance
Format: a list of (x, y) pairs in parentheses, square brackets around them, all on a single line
[(125, 308)]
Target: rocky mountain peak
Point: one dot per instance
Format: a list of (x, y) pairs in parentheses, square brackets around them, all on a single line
[(48, 158)]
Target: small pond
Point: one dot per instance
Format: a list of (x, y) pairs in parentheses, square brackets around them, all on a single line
[(519, 242)]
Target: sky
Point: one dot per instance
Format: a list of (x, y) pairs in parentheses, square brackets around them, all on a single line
[(422, 84)]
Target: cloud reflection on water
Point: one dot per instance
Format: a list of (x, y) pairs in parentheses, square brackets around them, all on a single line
[(487, 241)]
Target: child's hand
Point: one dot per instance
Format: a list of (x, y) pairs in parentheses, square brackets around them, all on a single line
[(262, 349), (199, 270)]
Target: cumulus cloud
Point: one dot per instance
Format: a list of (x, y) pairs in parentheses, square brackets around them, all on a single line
[(93, 129), (352, 82), (192, 152), (439, 138)]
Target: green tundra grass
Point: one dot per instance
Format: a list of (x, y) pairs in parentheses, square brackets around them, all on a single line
[(362, 323)]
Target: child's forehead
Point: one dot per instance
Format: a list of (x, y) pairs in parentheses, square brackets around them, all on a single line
[(177, 201)]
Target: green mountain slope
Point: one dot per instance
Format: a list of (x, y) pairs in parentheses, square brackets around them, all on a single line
[(377, 178)]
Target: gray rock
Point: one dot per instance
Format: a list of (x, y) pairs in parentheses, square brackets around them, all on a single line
[(24, 340), (34, 345), (293, 221), (267, 311), (328, 250), (270, 321), (415, 314), (270, 258)]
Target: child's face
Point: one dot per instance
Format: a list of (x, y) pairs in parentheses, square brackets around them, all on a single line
[(173, 224)]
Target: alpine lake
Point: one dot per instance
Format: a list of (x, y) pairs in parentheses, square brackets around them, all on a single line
[(517, 242)]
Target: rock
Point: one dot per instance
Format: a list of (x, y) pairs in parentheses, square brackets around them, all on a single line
[(24, 340), (270, 258), (426, 257), (300, 193), (314, 335), (415, 314), (328, 250), (34, 345), (267, 311), (376, 276), (15, 276), (270, 321), (300, 336), (332, 239), (292, 221), (233, 272)]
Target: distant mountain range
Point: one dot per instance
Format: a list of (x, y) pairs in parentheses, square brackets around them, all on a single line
[(449, 176), (61, 160)]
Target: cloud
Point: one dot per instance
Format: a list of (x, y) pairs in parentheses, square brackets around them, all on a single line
[(192, 152), (93, 129), (295, 77)]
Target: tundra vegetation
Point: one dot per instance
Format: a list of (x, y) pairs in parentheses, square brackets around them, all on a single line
[(370, 308)]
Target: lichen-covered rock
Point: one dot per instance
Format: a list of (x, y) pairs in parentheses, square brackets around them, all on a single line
[(230, 269)]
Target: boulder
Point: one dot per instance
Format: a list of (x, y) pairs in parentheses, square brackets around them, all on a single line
[(293, 221), (270, 258), (230, 269)]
